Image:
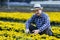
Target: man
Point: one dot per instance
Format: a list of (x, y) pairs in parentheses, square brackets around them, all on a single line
[(41, 20)]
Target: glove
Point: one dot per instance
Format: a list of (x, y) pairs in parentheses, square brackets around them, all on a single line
[(27, 31)]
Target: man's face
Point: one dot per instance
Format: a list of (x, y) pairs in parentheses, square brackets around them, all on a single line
[(38, 11)]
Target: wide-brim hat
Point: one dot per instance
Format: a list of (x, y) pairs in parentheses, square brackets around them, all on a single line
[(37, 6)]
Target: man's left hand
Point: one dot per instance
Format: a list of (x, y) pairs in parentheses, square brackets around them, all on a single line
[(35, 31)]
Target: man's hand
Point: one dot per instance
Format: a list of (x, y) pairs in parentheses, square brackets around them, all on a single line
[(27, 30), (36, 31)]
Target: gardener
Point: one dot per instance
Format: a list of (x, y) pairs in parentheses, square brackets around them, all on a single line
[(41, 21)]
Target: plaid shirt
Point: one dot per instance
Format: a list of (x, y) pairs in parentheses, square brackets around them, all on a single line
[(42, 22)]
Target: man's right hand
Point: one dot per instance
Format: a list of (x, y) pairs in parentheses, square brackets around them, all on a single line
[(27, 31)]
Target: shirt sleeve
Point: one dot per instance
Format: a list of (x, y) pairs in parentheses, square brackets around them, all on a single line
[(28, 22), (46, 24)]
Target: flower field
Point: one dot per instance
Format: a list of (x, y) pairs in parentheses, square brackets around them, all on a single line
[(16, 30), (54, 16)]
